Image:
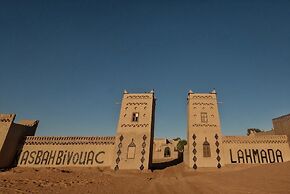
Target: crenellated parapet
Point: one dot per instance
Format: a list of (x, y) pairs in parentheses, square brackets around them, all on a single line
[(28, 123)]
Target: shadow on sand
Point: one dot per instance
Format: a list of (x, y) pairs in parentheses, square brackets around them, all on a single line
[(163, 165)]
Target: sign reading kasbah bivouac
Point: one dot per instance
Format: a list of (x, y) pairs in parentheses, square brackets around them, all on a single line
[(61, 157)]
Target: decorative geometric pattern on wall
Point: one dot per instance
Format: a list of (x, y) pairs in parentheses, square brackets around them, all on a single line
[(143, 152), (253, 140), (4, 120), (203, 125), (201, 103), (138, 97), (204, 97), (119, 152), (134, 125), (194, 152), (218, 158), (136, 103)]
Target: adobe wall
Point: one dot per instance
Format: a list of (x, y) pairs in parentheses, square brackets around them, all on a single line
[(255, 149), (66, 151), (186, 156), (11, 135)]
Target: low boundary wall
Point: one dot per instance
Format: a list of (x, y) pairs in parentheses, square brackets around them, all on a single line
[(66, 151), (255, 149)]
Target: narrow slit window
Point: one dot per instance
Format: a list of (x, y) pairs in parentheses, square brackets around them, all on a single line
[(135, 117), (206, 149)]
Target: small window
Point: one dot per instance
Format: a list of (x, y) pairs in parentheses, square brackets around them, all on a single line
[(206, 149), (135, 117), (203, 116)]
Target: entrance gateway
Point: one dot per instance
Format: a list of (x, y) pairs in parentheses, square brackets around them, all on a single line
[(132, 146)]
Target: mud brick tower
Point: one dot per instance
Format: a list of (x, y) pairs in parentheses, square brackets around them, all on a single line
[(203, 130), (135, 131)]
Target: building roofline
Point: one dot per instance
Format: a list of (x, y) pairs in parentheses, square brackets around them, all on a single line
[(281, 117)]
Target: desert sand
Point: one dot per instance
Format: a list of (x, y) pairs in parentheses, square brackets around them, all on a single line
[(269, 178)]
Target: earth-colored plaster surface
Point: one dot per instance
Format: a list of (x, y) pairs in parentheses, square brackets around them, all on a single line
[(268, 178)]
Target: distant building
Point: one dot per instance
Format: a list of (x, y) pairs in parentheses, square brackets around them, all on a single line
[(164, 149), (281, 125)]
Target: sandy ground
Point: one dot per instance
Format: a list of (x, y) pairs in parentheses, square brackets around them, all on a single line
[(270, 178)]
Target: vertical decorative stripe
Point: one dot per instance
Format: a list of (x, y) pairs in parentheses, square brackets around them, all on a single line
[(143, 152), (218, 158), (194, 151), (119, 152)]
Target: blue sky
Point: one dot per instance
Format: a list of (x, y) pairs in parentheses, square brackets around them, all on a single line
[(66, 63)]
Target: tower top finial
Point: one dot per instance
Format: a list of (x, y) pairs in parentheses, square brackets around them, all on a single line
[(125, 91), (213, 91), (152, 91), (190, 92)]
